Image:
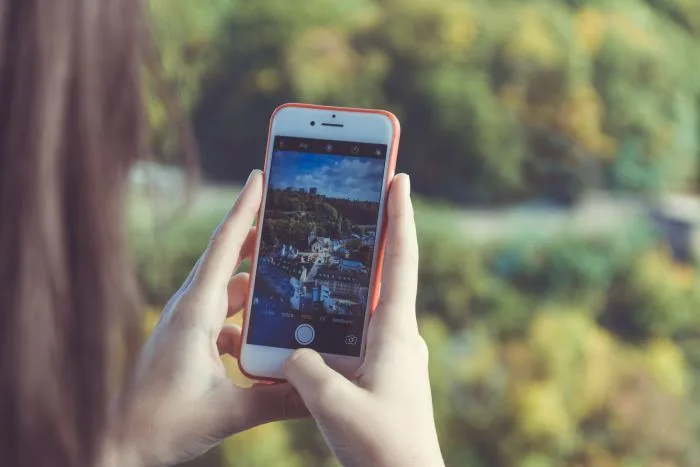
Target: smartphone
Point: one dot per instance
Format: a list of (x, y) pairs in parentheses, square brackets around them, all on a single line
[(317, 264)]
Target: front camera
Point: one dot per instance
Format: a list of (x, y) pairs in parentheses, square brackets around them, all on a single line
[(313, 123), (333, 115)]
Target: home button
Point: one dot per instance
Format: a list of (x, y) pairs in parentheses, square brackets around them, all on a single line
[(304, 334)]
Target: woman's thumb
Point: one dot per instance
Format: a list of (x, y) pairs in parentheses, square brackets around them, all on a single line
[(314, 380)]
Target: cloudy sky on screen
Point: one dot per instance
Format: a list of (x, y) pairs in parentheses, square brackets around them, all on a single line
[(354, 178)]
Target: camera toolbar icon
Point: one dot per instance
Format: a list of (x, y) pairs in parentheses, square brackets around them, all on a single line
[(304, 334), (351, 339)]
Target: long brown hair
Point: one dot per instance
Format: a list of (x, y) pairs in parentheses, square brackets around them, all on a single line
[(71, 125)]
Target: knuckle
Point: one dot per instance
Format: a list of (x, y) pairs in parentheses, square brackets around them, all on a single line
[(225, 230), (218, 237), (411, 343), (222, 230), (422, 348), (407, 254), (182, 318), (295, 360), (215, 232), (402, 214)]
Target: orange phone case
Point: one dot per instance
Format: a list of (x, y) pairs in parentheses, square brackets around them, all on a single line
[(391, 169)]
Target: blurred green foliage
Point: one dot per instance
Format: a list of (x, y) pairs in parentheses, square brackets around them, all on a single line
[(500, 100), (578, 349)]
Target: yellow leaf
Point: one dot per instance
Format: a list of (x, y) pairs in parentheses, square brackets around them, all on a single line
[(666, 364), (590, 28), (541, 412), (531, 39)]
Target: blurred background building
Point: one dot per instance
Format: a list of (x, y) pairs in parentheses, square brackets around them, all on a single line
[(554, 148)]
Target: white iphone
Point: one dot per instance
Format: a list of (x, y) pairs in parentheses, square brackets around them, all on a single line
[(317, 264)]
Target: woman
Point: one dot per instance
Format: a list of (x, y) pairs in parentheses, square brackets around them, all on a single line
[(71, 125)]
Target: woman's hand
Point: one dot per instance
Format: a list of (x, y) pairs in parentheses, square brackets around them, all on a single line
[(384, 417), (180, 403)]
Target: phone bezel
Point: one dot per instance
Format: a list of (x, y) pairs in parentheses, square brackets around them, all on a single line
[(355, 125)]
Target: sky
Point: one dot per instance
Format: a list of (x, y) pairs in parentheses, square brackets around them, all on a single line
[(347, 177)]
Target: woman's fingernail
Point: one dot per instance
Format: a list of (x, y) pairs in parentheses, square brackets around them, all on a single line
[(406, 184), (251, 176)]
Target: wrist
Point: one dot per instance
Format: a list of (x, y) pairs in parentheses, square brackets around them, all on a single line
[(406, 458), (422, 455), (116, 452), (118, 446)]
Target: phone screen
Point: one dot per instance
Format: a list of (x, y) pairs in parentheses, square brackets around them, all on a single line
[(319, 233)]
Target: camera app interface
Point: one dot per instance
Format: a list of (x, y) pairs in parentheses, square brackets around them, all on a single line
[(319, 232)]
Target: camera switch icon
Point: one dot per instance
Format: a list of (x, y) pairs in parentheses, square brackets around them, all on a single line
[(351, 339)]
